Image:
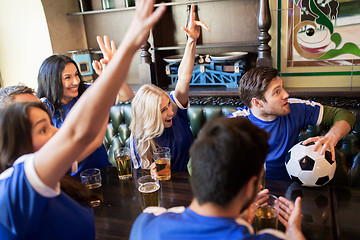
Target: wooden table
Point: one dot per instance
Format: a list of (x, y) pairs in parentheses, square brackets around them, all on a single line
[(328, 212), (122, 203)]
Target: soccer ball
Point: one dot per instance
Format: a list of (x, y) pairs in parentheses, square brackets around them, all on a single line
[(309, 168)]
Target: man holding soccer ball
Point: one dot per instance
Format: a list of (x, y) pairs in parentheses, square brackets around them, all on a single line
[(267, 105)]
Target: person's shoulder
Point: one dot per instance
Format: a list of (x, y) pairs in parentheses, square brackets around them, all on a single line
[(240, 112), (297, 101), (271, 234), (150, 213), (152, 219)]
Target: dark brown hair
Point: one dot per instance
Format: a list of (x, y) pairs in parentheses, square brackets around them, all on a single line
[(16, 140), (254, 83), (15, 132), (225, 155)]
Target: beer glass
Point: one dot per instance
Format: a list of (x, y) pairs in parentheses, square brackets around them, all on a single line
[(123, 162), (162, 161), (149, 190), (92, 179), (266, 212), (263, 178)]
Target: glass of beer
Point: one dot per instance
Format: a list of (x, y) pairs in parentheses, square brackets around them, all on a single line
[(162, 162), (123, 162), (149, 190), (92, 179), (266, 212)]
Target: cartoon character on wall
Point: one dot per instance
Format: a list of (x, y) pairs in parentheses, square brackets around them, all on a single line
[(314, 36)]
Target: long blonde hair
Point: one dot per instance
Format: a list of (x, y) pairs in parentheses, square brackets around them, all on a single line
[(146, 123)]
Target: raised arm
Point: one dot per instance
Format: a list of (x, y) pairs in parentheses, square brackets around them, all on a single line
[(187, 63), (341, 122), (87, 116), (108, 49)]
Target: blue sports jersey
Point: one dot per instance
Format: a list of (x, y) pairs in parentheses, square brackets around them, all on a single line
[(178, 138), (31, 210), (162, 224), (98, 159), (284, 132)]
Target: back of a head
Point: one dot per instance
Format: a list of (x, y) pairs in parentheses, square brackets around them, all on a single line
[(254, 83), (225, 155), (8, 94)]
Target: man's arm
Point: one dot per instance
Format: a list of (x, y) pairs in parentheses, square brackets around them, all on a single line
[(341, 122)]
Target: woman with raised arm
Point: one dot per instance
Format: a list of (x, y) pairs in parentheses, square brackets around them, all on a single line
[(60, 86), (161, 120), (32, 163)]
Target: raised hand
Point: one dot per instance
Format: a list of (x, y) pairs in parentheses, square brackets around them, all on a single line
[(108, 49), (144, 20), (193, 28)]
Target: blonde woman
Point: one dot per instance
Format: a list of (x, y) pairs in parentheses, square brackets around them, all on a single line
[(161, 120)]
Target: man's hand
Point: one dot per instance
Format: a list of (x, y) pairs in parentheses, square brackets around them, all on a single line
[(325, 143), (249, 213), (290, 217), (329, 141)]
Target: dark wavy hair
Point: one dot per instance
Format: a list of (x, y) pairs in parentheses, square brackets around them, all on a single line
[(49, 80), (16, 140), (225, 155), (254, 83)]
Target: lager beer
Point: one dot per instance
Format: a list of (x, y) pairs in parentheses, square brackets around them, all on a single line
[(163, 168), (95, 194), (266, 217), (149, 194), (92, 179), (123, 164), (162, 161)]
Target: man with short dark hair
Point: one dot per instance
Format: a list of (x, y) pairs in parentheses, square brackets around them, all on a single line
[(267, 105), (224, 183), (17, 93)]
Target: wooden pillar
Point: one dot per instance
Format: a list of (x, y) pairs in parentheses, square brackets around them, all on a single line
[(264, 23), (146, 66)]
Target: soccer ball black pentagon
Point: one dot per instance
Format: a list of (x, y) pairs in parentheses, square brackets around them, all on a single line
[(309, 168)]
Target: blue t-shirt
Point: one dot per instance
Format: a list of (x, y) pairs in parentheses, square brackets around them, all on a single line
[(178, 137), (186, 224), (98, 159), (31, 210), (284, 132)]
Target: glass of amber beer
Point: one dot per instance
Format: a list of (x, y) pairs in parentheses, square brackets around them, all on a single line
[(92, 179), (149, 190), (123, 162), (162, 161), (266, 212)]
